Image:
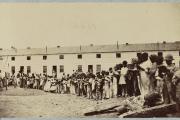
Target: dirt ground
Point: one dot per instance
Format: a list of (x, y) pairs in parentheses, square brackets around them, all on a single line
[(19, 102)]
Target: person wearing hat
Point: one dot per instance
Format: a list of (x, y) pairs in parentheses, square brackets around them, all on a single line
[(171, 69), (152, 71)]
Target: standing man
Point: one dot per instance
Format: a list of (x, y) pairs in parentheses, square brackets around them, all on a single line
[(171, 69)]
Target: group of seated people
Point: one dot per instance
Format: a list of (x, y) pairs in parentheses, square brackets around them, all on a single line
[(145, 74)]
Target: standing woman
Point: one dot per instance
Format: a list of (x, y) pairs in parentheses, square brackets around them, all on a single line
[(28, 80), (14, 80), (144, 76), (47, 85), (115, 85), (35, 82), (93, 85), (68, 79), (89, 86), (24, 81), (21, 80), (41, 82), (107, 86), (18, 79), (72, 85), (5, 81)]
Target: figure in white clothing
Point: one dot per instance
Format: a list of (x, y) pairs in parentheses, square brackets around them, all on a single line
[(144, 76), (122, 80), (107, 86)]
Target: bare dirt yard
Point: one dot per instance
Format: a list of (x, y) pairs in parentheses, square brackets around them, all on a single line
[(20, 102)]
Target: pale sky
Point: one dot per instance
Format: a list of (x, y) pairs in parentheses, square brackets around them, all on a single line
[(74, 24)]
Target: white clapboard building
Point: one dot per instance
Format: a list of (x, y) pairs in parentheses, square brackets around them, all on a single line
[(66, 59)]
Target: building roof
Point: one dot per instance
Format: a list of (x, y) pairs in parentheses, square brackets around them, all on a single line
[(173, 46)]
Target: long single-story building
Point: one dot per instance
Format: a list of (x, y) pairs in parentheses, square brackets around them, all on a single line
[(66, 59)]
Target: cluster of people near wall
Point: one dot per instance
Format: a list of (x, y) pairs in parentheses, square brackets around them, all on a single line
[(145, 74)]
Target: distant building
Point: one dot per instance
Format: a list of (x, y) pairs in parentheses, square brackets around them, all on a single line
[(66, 59)]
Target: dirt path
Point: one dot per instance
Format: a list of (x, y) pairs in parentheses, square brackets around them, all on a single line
[(18, 102)]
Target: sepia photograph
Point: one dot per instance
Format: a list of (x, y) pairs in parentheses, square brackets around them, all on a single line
[(89, 59)]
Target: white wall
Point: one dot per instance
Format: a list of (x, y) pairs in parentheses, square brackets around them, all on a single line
[(71, 61)]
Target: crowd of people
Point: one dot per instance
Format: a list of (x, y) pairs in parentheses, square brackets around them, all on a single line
[(145, 74)]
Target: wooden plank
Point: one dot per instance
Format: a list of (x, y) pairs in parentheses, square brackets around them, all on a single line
[(157, 111), (101, 111)]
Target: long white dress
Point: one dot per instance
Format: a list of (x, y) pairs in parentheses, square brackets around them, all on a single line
[(18, 81), (114, 86), (144, 78), (53, 85), (107, 88), (47, 85)]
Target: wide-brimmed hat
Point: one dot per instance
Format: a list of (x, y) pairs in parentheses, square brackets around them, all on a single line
[(169, 57)]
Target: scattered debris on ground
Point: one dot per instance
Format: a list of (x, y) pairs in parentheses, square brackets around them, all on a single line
[(136, 107)]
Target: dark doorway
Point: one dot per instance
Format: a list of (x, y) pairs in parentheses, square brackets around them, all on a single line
[(90, 68), (54, 70), (12, 70), (21, 69)]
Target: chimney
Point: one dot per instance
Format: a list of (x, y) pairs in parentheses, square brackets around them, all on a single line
[(28, 47), (117, 45), (46, 49), (91, 45)]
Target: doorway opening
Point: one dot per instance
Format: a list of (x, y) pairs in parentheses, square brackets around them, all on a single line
[(90, 68)]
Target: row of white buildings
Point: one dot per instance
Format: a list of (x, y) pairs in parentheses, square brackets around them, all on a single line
[(66, 59)]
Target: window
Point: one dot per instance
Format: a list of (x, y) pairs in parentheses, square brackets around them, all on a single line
[(44, 69), (28, 57), (98, 55), (13, 69), (61, 68), (80, 68), (44, 57), (98, 68), (118, 55), (12, 58), (79, 56), (160, 53), (28, 69), (179, 53), (61, 56)]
